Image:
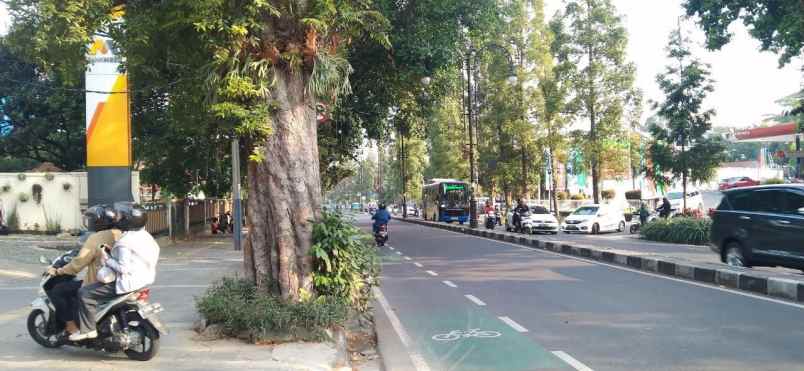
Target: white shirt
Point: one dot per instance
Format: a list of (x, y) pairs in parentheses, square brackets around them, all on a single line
[(134, 259)]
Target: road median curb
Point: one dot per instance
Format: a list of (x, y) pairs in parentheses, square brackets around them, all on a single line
[(755, 282)]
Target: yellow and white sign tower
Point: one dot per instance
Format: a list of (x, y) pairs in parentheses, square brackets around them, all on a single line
[(108, 123)]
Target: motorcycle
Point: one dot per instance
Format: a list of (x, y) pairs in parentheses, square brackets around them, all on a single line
[(636, 225), (491, 219), (381, 236), (127, 323), (524, 225)]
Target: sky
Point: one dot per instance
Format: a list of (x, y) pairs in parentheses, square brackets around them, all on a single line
[(747, 81)]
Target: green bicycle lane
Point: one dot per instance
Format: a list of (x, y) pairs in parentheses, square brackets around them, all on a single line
[(427, 308)]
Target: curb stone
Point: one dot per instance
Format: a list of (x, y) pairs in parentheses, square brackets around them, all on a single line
[(755, 282)]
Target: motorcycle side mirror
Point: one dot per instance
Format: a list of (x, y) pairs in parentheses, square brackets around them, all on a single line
[(44, 260)]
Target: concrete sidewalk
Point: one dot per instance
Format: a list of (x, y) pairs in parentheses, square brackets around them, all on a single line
[(781, 284), (185, 270)]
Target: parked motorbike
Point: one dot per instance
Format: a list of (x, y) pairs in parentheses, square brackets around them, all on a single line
[(491, 219), (636, 225), (127, 323), (381, 236)]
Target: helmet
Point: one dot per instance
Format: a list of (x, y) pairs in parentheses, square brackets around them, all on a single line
[(99, 217), (130, 216), (381, 206)]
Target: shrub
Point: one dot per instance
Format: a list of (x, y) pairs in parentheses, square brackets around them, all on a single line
[(49, 177), (692, 213), (21, 177), (773, 181), (23, 197), (6, 188), (608, 194), (345, 262), (52, 226), (66, 186), (36, 192), (684, 230), (577, 197), (633, 195), (239, 307), (13, 220)]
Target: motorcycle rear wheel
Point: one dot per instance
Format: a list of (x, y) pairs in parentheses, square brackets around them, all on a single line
[(150, 339), (39, 331)]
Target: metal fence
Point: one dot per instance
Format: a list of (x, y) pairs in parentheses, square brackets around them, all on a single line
[(183, 219)]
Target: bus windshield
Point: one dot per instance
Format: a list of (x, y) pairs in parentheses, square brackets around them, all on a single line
[(455, 195)]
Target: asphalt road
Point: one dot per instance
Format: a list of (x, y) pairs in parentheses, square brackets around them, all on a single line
[(536, 311)]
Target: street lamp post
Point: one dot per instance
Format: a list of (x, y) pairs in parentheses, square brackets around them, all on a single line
[(472, 124)]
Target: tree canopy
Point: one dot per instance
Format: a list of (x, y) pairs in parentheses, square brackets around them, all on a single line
[(777, 24), (41, 115)]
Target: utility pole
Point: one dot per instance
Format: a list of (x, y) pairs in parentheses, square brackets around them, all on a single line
[(238, 219), (470, 122)]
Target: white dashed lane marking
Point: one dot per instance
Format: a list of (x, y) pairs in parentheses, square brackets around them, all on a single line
[(513, 324), (450, 284), (475, 300), (576, 364)]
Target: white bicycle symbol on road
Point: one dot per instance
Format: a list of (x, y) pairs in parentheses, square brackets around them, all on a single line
[(471, 333)]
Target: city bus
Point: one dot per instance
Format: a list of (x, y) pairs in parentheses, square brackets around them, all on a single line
[(446, 200)]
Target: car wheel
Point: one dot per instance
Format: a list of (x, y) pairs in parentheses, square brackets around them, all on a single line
[(595, 229), (526, 230), (621, 227), (734, 255)]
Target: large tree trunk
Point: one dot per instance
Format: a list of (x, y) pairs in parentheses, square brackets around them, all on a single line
[(285, 194)]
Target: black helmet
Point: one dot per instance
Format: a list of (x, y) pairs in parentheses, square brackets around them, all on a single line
[(130, 216), (381, 205), (99, 218)]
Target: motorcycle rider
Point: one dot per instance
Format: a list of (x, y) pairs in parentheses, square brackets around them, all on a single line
[(381, 217), (133, 260), (489, 209), (665, 209), (643, 213), (99, 219), (520, 209)]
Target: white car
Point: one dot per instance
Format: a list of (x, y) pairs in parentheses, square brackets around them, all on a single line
[(594, 219), (694, 200), (539, 220)]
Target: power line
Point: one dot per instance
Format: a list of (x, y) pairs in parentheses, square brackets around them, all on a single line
[(83, 91)]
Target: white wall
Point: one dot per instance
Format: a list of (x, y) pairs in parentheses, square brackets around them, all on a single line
[(57, 203)]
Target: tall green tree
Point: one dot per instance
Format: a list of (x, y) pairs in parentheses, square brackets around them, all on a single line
[(446, 135), (558, 109), (604, 79), (271, 63), (41, 115), (681, 146)]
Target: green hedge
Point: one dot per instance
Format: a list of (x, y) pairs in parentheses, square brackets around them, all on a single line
[(690, 231)]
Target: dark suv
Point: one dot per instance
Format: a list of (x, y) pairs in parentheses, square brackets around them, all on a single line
[(760, 226)]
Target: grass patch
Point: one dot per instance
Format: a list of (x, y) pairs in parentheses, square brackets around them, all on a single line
[(690, 231)]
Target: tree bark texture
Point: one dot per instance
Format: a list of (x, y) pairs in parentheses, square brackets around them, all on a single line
[(285, 193)]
